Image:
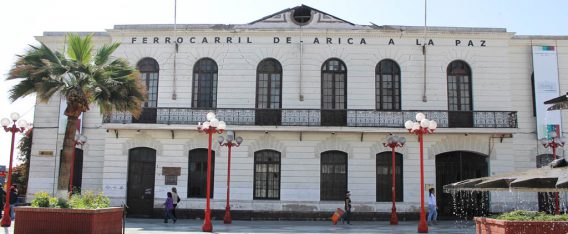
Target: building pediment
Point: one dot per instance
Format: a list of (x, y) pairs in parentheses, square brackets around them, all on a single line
[(305, 17)]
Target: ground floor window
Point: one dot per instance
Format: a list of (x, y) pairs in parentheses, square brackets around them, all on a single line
[(384, 177), (267, 174), (197, 173), (333, 178)]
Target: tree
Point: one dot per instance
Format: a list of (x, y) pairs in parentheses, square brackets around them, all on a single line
[(83, 78), (22, 172)]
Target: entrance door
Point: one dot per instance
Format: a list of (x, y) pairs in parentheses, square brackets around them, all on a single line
[(140, 185), (456, 166)]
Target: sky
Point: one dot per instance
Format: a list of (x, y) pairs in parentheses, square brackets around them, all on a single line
[(21, 20)]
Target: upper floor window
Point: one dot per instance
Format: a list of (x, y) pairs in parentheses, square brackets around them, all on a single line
[(269, 84), (204, 84), (267, 174), (384, 177), (387, 85), (334, 85), (459, 87), (333, 178), (149, 72)]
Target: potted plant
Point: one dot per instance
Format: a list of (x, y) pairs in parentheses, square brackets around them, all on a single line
[(87, 213), (522, 221)]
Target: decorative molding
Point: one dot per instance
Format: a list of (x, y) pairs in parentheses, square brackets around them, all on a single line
[(379, 148), (142, 139), (461, 143), (267, 141), (333, 143)]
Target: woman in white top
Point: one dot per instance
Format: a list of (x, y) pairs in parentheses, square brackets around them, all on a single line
[(175, 199), (432, 207)]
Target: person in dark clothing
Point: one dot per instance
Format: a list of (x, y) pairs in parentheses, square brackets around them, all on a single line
[(2, 199), (13, 199), (347, 214)]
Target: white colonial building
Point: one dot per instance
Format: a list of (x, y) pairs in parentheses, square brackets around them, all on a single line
[(314, 97)]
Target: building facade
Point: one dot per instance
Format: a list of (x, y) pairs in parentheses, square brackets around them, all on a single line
[(314, 97)]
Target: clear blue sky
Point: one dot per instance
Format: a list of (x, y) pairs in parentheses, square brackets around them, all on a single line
[(21, 20)]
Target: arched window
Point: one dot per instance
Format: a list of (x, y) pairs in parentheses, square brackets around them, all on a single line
[(149, 73), (333, 93), (387, 85), (268, 92), (384, 177), (269, 84), (204, 84), (267, 174), (459, 87), (333, 177), (197, 173), (460, 100)]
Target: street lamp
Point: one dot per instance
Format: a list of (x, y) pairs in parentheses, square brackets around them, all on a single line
[(393, 142), (554, 143), (6, 220), (80, 139), (420, 127), (212, 125), (231, 142)]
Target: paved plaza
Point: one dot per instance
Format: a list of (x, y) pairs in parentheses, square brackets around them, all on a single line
[(186, 226), (155, 226)]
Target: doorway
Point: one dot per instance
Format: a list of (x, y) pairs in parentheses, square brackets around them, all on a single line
[(457, 166), (140, 185)]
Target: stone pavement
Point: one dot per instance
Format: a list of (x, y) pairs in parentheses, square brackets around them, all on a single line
[(157, 226)]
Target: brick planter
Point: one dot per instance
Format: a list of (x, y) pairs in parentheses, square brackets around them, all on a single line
[(495, 226), (54, 220)]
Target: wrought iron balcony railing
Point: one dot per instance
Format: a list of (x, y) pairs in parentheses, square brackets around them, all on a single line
[(316, 117)]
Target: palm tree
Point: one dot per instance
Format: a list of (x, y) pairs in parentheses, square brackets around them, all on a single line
[(83, 79)]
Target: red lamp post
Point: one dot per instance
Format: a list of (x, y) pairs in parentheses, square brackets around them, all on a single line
[(421, 127), (393, 142), (554, 143), (230, 143), (211, 126), (6, 219), (80, 139)]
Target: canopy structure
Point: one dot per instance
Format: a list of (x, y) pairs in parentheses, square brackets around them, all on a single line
[(558, 103), (551, 178)]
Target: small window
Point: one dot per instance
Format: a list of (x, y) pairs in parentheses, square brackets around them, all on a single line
[(302, 15)]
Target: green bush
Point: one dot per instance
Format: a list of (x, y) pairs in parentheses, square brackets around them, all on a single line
[(89, 201), (41, 199), (86, 201), (525, 215)]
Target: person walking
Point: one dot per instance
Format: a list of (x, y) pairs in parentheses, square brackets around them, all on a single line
[(175, 199), (432, 207), (13, 199), (2, 199), (169, 207), (347, 214)]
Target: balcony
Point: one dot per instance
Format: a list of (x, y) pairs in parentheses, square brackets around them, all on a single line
[(316, 117)]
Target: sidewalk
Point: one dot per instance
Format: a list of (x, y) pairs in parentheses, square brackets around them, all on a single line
[(156, 226)]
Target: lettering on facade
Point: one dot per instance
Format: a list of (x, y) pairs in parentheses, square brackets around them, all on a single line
[(290, 40)]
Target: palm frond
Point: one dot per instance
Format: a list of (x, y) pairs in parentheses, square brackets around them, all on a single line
[(80, 48), (103, 54)]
